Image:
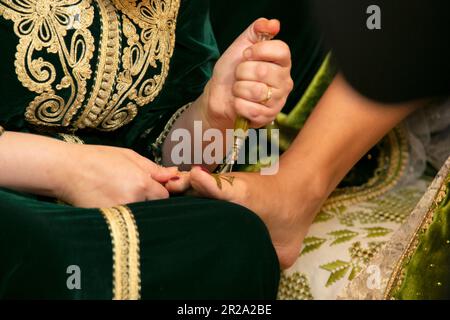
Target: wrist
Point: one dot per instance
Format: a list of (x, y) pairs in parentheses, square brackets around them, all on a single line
[(67, 168), (35, 164)]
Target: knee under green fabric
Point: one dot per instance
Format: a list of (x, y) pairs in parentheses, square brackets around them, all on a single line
[(189, 248)]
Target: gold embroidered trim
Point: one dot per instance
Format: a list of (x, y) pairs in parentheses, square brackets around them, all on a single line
[(107, 67), (70, 138), (393, 165), (398, 275), (157, 145), (150, 47), (126, 257)]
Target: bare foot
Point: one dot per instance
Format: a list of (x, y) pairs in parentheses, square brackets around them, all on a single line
[(287, 213)]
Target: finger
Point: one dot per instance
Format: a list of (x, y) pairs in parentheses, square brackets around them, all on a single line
[(257, 114), (275, 51), (179, 184), (163, 175), (266, 72), (157, 172), (257, 92), (155, 191), (263, 25), (145, 164)]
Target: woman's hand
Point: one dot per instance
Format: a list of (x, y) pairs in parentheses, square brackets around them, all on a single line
[(251, 79), (107, 176), (81, 175)]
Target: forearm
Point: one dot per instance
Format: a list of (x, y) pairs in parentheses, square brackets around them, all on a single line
[(31, 163), (343, 127)]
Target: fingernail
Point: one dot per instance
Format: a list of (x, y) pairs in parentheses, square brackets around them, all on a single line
[(175, 179), (248, 53)]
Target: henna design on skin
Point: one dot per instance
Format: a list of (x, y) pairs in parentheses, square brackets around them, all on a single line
[(220, 177)]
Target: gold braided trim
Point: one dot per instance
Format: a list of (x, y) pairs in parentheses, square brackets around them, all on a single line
[(70, 138), (391, 169), (398, 275), (107, 67), (126, 257), (157, 145)]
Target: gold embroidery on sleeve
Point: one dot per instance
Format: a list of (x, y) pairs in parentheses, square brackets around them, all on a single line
[(126, 253), (107, 68)]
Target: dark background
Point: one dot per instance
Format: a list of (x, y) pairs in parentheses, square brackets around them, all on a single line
[(409, 58)]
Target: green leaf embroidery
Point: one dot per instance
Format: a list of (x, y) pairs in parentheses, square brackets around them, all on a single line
[(338, 269), (394, 207), (323, 216), (342, 236), (362, 255), (294, 287), (355, 271), (311, 244), (377, 232)]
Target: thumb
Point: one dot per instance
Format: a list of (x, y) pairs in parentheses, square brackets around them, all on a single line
[(251, 35), (260, 26), (248, 38)]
